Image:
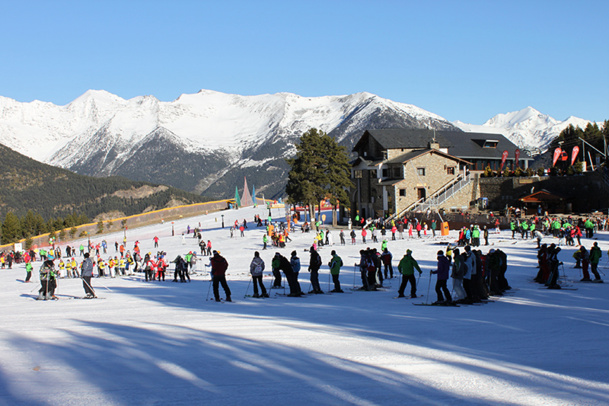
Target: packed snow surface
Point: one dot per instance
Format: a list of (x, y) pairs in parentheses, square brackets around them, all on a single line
[(159, 343)]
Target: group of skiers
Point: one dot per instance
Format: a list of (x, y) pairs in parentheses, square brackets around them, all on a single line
[(548, 262)]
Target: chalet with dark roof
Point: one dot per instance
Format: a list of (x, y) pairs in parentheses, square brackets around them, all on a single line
[(397, 170)]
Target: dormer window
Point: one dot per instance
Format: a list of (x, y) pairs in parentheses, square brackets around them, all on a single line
[(490, 144)]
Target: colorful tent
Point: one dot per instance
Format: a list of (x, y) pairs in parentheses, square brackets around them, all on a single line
[(247, 198), (237, 200)]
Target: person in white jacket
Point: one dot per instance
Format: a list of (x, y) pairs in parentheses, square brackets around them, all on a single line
[(256, 269)]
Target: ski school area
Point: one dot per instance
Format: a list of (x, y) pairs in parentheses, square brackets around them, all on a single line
[(160, 342)]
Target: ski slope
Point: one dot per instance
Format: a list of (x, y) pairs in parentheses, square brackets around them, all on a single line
[(159, 343)]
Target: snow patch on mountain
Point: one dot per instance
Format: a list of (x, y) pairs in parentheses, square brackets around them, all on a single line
[(528, 128)]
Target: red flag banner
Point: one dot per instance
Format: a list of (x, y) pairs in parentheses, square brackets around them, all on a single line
[(574, 154), (516, 157), (503, 158), (557, 153)]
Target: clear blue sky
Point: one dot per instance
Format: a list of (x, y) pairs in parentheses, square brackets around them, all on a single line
[(463, 60)]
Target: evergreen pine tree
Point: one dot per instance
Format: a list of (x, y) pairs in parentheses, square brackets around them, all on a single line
[(11, 228), (319, 171)]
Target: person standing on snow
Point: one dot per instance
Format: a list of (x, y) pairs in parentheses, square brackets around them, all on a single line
[(295, 263), (335, 265), (86, 273), (257, 269), (48, 281), (314, 265), (407, 266), (219, 265), (386, 257), (595, 256), (442, 272)]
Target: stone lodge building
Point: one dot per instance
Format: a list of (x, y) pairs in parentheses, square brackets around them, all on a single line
[(397, 170)]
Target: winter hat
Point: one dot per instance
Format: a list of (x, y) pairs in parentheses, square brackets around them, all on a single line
[(440, 252), (408, 252), (294, 253)]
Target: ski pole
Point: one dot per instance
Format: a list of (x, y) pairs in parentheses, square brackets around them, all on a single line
[(208, 290), (428, 286), (90, 287), (248, 288), (104, 286)]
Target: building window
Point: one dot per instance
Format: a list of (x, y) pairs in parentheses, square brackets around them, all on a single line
[(397, 172), (385, 174), (358, 174), (421, 171), (450, 170), (490, 144), (402, 192)]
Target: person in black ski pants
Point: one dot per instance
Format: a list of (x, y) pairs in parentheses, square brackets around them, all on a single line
[(219, 265), (314, 265)]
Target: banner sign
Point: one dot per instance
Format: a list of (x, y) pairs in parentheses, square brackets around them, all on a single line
[(503, 158), (516, 157), (557, 152), (574, 154)]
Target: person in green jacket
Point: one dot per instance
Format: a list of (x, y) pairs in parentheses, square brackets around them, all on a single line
[(595, 257), (265, 240), (406, 267), (335, 263)]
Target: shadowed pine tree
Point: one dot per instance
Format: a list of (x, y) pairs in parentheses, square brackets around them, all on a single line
[(11, 228), (319, 171)]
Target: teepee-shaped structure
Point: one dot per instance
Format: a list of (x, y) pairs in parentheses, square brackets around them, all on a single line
[(237, 200), (247, 198)]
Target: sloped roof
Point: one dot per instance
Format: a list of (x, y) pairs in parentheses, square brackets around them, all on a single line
[(459, 143), (415, 154), (541, 196)]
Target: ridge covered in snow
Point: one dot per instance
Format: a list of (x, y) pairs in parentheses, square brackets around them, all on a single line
[(223, 136), (528, 128), (207, 120)]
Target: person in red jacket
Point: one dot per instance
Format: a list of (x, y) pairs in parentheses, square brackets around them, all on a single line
[(161, 266), (219, 265)]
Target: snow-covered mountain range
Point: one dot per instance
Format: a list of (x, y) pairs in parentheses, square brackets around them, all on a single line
[(527, 128), (206, 142)]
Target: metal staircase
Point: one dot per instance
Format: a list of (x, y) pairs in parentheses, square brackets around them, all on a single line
[(439, 196)]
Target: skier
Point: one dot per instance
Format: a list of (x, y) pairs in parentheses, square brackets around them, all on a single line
[(295, 263), (585, 258), (442, 272), (386, 257), (86, 273), (47, 281), (459, 270), (335, 265), (595, 256), (407, 266), (275, 265), (314, 265), (28, 270), (257, 269), (290, 275), (219, 265)]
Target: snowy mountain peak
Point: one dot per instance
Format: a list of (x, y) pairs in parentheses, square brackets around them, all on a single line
[(528, 128)]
